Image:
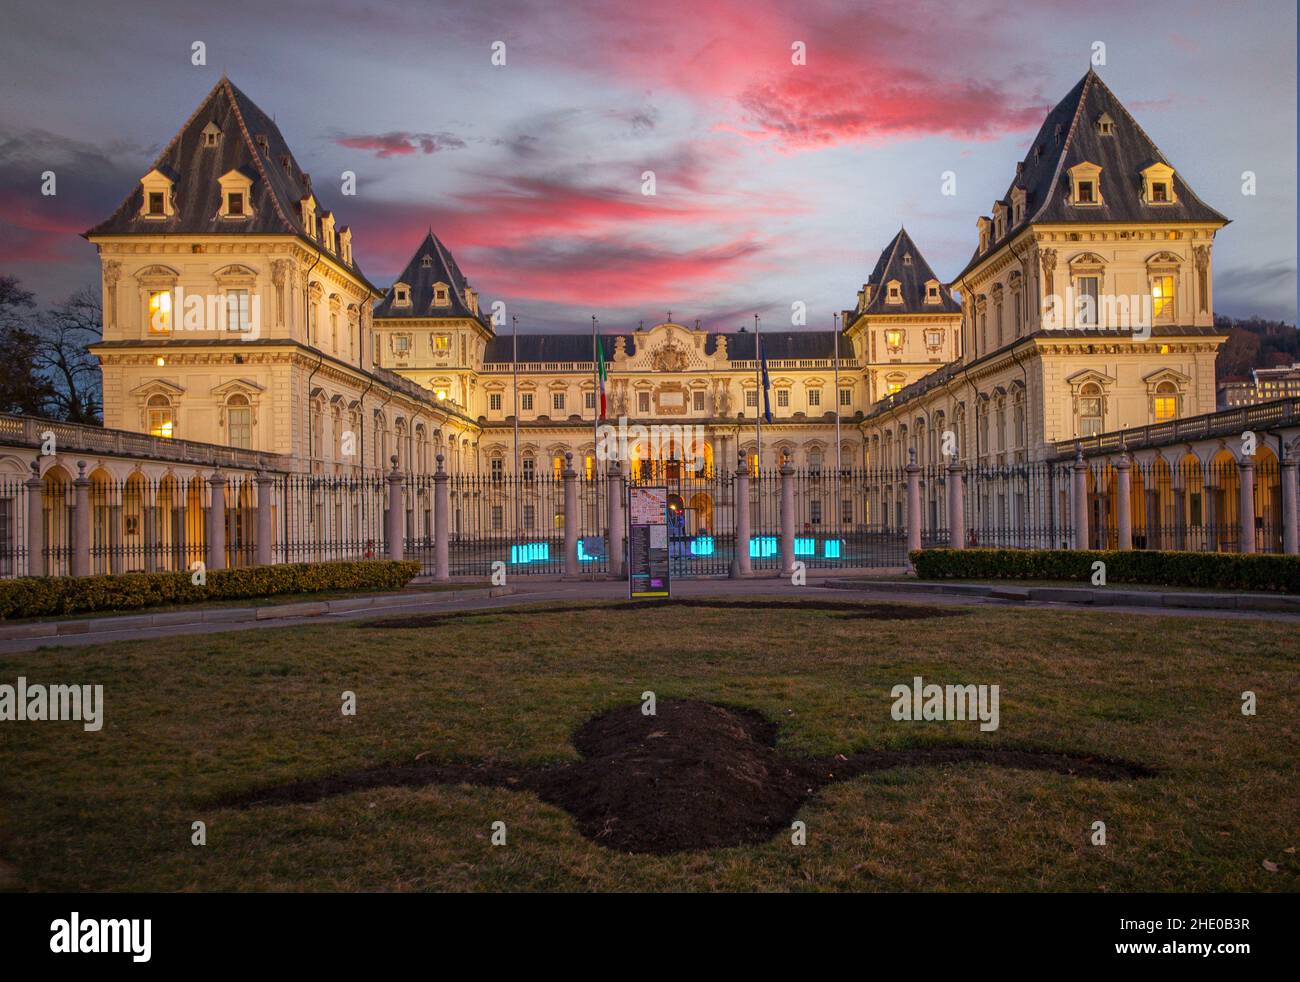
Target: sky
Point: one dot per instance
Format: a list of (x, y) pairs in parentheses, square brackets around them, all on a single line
[(788, 141)]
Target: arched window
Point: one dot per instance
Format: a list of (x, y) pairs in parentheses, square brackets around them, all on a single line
[(1166, 402), (815, 460), (1091, 409), (239, 422), (161, 416)]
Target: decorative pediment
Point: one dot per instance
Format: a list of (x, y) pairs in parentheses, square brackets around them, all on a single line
[(243, 386), (1080, 379), (157, 386), (1165, 375)]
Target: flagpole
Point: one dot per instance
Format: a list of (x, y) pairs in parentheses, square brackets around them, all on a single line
[(514, 367), (595, 426), (836, 318), (758, 397)]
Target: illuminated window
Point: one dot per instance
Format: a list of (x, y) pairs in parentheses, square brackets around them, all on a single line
[(1162, 298), (1166, 402), (893, 383), (442, 342), (162, 420), (239, 420), (894, 340), (160, 312), (557, 465)]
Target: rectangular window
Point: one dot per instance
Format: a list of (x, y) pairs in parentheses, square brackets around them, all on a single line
[(846, 397), (494, 401), (442, 342), (783, 397), (1166, 408), (589, 400), (846, 511), (498, 518), (161, 422), (156, 203), (497, 467), (234, 204), (1085, 301), (160, 312), (697, 400), (1162, 298), (401, 343), (643, 403), (751, 398), (530, 516), (1086, 195), (557, 401), (241, 427), (237, 311), (526, 402), (894, 340), (815, 511), (1159, 192), (814, 397), (528, 468)]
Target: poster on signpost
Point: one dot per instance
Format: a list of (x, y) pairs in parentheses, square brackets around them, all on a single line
[(647, 542)]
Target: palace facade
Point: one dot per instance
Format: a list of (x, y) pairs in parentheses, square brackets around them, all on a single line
[(235, 313)]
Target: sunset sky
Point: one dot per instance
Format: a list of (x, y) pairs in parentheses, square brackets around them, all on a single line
[(775, 182)]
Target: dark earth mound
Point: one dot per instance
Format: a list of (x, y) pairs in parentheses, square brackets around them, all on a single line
[(847, 611), (694, 776)]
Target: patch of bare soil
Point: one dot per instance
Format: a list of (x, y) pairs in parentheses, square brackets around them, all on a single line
[(694, 776), (846, 611)]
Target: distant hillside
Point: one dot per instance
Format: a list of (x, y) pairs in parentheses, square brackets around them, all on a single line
[(1254, 343)]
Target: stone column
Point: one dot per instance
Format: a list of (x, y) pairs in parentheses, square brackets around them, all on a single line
[(1290, 508), (741, 566), (956, 504), (265, 545), (395, 515), (1124, 509), (570, 478), (36, 521), (1080, 501), (216, 524), (1246, 505), (81, 522), (614, 490), (441, 523), (913, 504), (787, 515)]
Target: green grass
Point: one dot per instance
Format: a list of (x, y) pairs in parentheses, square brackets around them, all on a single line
[(191, 719)]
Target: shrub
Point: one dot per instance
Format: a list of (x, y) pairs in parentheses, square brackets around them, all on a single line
[(45, 596), (1211, 570)]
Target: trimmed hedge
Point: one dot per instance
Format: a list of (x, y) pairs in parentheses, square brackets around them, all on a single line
[(1210, 570), (45, 596)]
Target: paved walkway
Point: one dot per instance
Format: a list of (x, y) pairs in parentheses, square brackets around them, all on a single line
[(561, 591)]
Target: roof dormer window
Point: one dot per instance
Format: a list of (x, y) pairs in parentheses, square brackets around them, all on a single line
[(1105, 125), (441, 295), (156, 189), (907, 259), (236, 194), (1085, 184), (894, 292), (932, 291), (984, 226), (1158, 185), (262, 143), (211, 135), (426, 262)]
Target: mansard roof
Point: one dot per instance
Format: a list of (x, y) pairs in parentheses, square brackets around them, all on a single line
[(780, 344), (1069, 136), (901, 260), (553, 347), (431, 264), (249, 142)]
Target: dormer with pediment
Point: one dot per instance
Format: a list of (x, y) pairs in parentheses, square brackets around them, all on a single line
[(158, 194), (236, 194)]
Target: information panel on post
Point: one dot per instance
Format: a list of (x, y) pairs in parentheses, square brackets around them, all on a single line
[(647, 542)]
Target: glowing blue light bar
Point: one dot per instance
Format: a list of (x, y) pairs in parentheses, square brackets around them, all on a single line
[(831, 548), (762, 547), (805, 546), (530, 552), (702, 545)]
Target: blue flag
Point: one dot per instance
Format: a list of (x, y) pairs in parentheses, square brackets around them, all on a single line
[(767, 385)]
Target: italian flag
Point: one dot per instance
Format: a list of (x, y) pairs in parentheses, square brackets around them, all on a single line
[(600, 369)]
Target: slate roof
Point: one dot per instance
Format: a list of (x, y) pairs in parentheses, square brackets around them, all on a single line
[(1069, 136), (912, 274), (278, 182), (552, 347), (780, 344), (420, 278)]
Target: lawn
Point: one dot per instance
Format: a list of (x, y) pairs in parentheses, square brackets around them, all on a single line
[(192, 721)]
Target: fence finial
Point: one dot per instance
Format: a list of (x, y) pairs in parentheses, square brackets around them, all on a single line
[(438, 459), (393, 459)]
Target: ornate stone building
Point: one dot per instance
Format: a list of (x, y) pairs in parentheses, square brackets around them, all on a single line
[(236, 314)]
